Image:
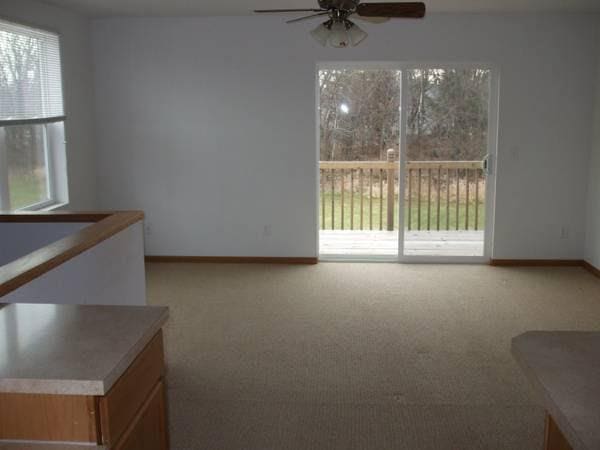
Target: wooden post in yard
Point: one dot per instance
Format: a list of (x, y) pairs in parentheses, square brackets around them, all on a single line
[(391, 181)]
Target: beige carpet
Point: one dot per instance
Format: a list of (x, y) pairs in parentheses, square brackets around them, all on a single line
[(358, 356)]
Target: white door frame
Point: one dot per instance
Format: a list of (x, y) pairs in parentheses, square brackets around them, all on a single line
[(492, 147), (374, 65)]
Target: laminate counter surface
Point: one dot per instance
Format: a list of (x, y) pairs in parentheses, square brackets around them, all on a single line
[(71, 349), (564, 368)]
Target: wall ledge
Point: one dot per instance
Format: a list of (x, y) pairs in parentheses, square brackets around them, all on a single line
[(29, 267)]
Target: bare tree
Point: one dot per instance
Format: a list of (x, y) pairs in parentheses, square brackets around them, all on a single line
[(19, 83), (446, 117)]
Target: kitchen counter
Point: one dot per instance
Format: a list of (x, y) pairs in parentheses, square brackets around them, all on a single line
[(71, 349), (82, 374), (564, 368)]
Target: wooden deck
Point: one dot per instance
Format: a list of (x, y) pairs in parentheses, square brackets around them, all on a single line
[(385, 243)]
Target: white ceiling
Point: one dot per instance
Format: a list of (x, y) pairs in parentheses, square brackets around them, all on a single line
[(99, 8)]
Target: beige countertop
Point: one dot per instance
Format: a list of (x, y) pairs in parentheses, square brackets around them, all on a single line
[(71, 349), (564, 367)]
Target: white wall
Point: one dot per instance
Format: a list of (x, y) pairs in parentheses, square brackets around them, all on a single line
[(20, 239), (208, 124), (592, 245), (110, 273), (78, 90)]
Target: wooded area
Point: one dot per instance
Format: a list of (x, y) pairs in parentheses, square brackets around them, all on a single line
[(446, 120), (20, 80)]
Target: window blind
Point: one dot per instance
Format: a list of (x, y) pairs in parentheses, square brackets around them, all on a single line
[(30, 75)]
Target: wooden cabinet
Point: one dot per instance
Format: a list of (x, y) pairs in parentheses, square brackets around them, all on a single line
[(121, 404), (131, 416), (553, 437), (148, 430), (42, 417)]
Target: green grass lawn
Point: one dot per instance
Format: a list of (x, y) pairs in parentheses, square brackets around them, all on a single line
[(383, 215), (25, 190)]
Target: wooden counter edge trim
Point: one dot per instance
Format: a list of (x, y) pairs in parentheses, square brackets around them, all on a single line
[(29, 267), (232, 259)]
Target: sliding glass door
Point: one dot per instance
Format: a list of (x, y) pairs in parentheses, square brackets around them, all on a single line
[(359, 116), (426, 132), (448, 149)]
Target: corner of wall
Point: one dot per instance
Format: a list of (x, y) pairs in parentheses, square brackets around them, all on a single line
[(592, 238)]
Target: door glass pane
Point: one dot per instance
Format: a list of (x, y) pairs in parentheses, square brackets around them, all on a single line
[(25, 148), (447, 126), (359, 116)]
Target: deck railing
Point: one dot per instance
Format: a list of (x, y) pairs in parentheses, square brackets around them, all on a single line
[(439, 195)]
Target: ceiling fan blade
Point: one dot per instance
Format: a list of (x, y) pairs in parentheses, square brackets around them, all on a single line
[(299, 19), (372, 19), (285, 10), (414, 10)]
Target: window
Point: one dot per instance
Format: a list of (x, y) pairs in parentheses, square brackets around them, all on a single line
[(32, 148)]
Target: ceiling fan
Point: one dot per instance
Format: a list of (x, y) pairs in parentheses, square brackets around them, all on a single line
[(338, 31)]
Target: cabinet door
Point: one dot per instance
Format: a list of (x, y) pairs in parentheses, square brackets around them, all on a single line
[(121, 404), (148, 431), (43, 417), (554, 439)]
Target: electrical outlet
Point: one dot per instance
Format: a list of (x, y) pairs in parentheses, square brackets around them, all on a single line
[(148, 229), (267, 231), (564, 232)]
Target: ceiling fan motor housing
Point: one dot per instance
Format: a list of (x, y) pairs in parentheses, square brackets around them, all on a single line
[(345, 5)]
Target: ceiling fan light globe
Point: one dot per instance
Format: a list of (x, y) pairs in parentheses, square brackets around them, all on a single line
[(356, 35), (338, 35), (321, 34)]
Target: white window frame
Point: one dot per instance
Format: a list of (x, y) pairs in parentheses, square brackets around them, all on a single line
[(54, 149)]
